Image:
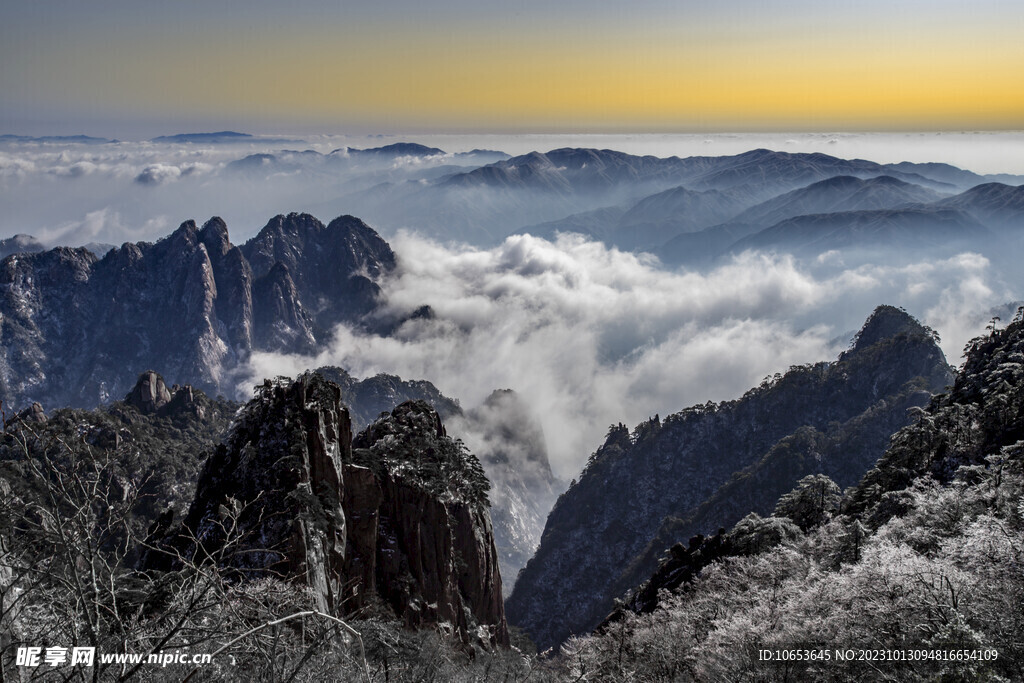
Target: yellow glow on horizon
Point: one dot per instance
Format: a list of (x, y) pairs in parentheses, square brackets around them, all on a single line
[(832, 79)]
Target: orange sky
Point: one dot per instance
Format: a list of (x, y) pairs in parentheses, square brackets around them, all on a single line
[(649, 65)]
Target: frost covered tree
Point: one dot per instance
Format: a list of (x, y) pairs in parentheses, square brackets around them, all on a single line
[(814, 500)]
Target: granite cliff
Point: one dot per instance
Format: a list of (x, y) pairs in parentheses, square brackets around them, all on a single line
[(76, 329), (396, 519)]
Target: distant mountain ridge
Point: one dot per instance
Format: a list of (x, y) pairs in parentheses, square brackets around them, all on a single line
[(892, 213), (818, 233), (58, 139), (838, 194), (538, 190), (396, 149), (996, 204), (220, 136), (20, 244)]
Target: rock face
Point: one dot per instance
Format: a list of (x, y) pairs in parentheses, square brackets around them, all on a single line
[(76, 330), (401, 521), (278, 478), (150, 394), (333, 268), (435, 556), (708, 466), (504, 434), (33, 414)]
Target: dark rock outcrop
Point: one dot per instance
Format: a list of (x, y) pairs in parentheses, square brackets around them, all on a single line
[(150, 393), (76, 330), (832, 418), (401, 521), (436, 559), (34, 414), (333, 268), (505, 435), (277, 478)]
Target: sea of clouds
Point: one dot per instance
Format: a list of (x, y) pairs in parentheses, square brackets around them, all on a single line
[(592, 336), (588, 336)]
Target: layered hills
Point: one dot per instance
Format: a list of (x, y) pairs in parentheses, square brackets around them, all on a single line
[(592, 190)]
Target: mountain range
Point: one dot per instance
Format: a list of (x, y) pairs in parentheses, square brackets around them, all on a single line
[(690, 211), (544, 192), (77, 329)]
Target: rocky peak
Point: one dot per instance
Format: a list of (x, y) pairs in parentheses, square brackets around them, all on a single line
[(431, 547), (75, 330), (332, 267), (150, 394), (214, 235), (33, 414), (282, 240), (411, 443), (359, 529), (410, 417), (184, 400), (19, 244), (186, 234), (887, 322), (277, 480), (363, 248)]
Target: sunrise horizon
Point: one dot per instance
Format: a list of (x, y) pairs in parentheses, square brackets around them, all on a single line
[(488, 67)]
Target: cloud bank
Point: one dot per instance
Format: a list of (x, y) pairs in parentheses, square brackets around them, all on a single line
[(591, 336)]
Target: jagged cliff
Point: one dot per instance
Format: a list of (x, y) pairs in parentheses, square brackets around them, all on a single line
[(636, 483), (399, 522), (435, 554), (506, 436), (76, 330)]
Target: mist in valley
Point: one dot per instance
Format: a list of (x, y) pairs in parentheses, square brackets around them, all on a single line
[(588, 333)]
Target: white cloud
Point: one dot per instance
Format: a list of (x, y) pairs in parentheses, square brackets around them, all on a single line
[(104, 225), (157, 174), (590, 336)]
